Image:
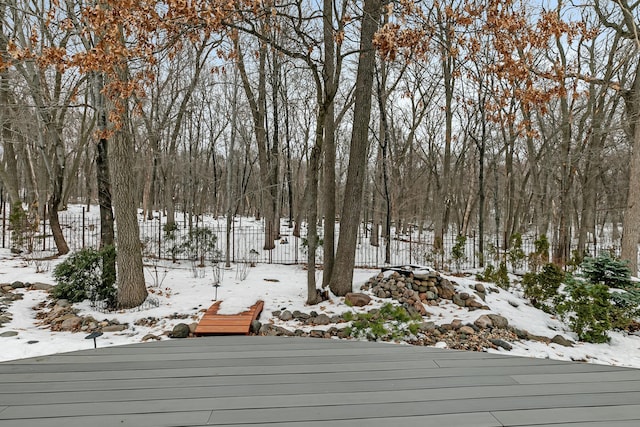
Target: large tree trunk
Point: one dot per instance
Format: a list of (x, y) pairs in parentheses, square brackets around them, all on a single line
[(103, 179), (329, 147), (631, 220), (342, 278), (131, 286)]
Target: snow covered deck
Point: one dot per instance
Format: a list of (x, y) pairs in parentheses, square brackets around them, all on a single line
[(249, 381)]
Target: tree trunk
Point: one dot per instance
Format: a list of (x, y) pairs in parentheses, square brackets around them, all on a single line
[(56, 196), (131, 286), (329, 147), (631, 220), (342, 278), (103, 179), (258, 114)]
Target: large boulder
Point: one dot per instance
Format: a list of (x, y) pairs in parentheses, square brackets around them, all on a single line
[(71, 324), (181, 330), (483, 322), (498, 321), (446, 290)]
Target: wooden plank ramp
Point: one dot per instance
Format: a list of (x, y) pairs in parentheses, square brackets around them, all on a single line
[(213, 323)]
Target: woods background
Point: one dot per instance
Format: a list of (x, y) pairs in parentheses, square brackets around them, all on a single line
[(487, 118)]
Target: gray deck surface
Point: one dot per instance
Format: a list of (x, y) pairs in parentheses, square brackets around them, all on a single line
[(249, 381)]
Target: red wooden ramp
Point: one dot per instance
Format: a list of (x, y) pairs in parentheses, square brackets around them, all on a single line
[(213, 323)]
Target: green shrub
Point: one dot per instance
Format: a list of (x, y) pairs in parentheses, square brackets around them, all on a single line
[(82, 276), (589, 311), (390, 322), (590, 305), (541, 254), (607, 270), (457, 252), (542, 288), (498, 276), (515, 253)]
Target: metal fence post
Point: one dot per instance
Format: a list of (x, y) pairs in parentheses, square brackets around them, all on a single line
[(4, 224), (44, 233), (159, 236), (83, 228)]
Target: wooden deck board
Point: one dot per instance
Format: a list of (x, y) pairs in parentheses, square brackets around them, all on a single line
[(229, 380), (213, 323)]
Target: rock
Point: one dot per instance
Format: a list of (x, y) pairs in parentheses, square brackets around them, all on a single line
[(18, 285), (513, 303), (499, 321), (33, 342), (419, 307), (431, 295), (480, 288), (539, 338), (500, 343), (316, 333), (300, 315), (181, 330), (457, 300), (276, 313), (120, 328), (322, 319), (357, 299), (559, 339), (445, 289), (4, 319), (521, 333), (471, 303), (255, 326), (193, 326), (71, 323), (483, 322), (286, 316), (481, 295), (63, 303), (273, 330), (337, 318), (150, 337), (464, 296), (456, 323), (8, 334), (39, 286), (427, 326), (468, 330)]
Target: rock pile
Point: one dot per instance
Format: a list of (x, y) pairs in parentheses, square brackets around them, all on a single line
[(8, 296), (61, 316), (415, 290)]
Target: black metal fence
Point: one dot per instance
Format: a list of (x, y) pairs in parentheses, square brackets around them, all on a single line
[(246, 242)]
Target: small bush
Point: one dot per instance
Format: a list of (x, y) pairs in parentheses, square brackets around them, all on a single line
[(82, 276), (458, 253), (542, 288), (589, 311), (541, 254), (498, 276), (607, 270), (590, 305), (515, 253), (390, 322)]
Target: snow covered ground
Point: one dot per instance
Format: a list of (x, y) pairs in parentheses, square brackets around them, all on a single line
[(182, 299)]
